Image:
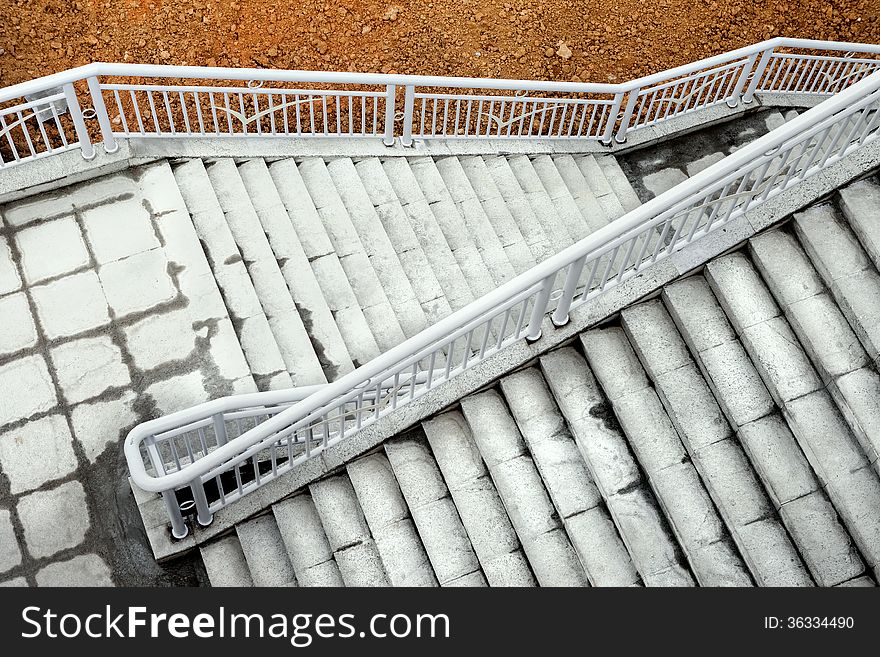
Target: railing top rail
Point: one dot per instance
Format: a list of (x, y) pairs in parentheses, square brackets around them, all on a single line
[(485, 305), (342, 77)]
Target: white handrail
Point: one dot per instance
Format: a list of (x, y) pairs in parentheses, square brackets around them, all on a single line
[(532, 284), (516, 309), (587, 110), (343, 77)]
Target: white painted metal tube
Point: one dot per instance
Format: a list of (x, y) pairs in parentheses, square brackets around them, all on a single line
[(517, 289)]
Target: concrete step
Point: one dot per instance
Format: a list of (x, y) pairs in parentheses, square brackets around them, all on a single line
[(482, 513), (347, 532), (307, 546), (281, 313), (225, 562), (377, 246), (471, 210), (391, 525), (194, 276), (455, 230), (593, 212), (532, 514), (516, 203), (855, 286), (566, 207), (845, 268), (413, 259), (775, 455), (688, 506), (381, 316), (433, 511), (830, 447), (242, 303), (714, 451), (499, 215), (265, 552), (545, 210), (599, 185), (619, 182), (302, 285), (569, 483), (860, 204), (802, 504), (328, 271), (822, 328), (428, 232), (639, 519)]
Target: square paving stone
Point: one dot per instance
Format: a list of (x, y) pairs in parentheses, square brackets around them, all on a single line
[(71, 305), (27, 389), (55, 519), (94, 192), (84, 570), (17, 330), (86, 368), (178, 392), (9, 278), (37, 452), (138, 282), (119, 230), (161, 338), (100, 424), (664, 180), (10, 554), (51, 249)]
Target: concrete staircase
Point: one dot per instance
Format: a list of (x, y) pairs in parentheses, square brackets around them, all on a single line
[(723, 433), (323, 264)]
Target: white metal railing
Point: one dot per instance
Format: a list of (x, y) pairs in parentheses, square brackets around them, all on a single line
[(204, 458), (138, 101), (192, 459)]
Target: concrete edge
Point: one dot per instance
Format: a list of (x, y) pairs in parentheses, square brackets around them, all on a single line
[(516, 356)]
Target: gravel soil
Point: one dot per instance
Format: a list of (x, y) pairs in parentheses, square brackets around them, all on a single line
[(597, 41)]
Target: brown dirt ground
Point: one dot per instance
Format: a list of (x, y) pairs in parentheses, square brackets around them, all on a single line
[(597, 41)]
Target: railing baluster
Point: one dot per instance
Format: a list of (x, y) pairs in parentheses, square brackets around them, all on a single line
[(572, 277), (542, 301), (203, 513), (757, 74), (198, 103), (110, 145), (46, 140), (121, 111), (627, 114), (79, 125), (390, 95), (27, 135), (178, 527)]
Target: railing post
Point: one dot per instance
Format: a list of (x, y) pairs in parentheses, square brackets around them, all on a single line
[(179, 529), (735, 96), (390, 93), (203, 513), (560, 315), (612, 120), (627, 115), (409, 100), (749, 95), (219, 428), (79, 125), (110, 144), (540, 309)]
